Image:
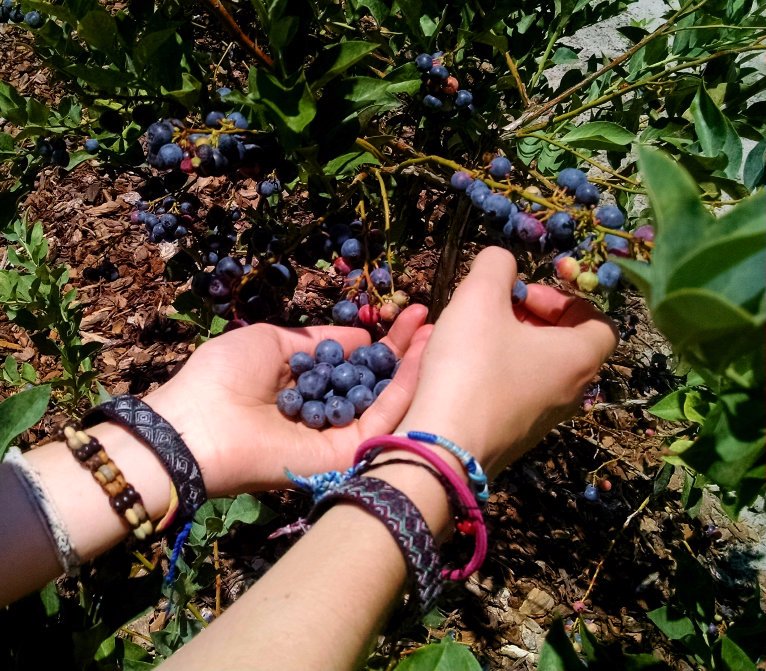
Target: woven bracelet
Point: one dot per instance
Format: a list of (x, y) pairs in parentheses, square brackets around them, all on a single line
[(403, 521), (475, 520), (157, 433)]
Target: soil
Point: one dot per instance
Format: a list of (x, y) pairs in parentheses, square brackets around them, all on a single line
[(547, 541)]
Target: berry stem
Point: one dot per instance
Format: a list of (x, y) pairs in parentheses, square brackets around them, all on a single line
[(386, 223), (216, 6), (517, 78)]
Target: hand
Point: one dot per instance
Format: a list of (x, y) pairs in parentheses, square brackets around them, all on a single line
[(223, 402), (494, 377)]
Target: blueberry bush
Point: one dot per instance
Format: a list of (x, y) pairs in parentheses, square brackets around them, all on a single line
[(276, 144)]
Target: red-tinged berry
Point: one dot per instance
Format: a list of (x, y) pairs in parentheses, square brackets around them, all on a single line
[(587, 281), (650, 432), (605, 485), (645, 232), (579, 607), (389, 312), (187, 166), (342, 266), (369, 315), (400, 298), (450, 86)]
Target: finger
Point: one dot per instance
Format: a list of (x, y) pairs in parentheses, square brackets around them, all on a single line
[(490, 282), (390, 407), (547, 304), (595, 327), (306, 339), (405, 327)]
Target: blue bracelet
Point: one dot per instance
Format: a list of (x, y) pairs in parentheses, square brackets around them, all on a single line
[(476, 476)]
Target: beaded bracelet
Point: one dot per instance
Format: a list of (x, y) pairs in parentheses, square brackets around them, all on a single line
[(474, 524), (124, 499), (476, 475)]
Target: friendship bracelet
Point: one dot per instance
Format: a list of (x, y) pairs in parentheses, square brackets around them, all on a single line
[(403, 521), (47, 512), (124, 499), (477, 477), (474, 525), (164, 440)]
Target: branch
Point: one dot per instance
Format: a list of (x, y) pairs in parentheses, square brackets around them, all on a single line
[(216, 7)]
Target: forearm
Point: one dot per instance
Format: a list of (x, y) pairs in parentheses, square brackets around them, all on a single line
[(325, 599)]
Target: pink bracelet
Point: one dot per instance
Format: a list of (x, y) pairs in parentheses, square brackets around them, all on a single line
[(475, 522)]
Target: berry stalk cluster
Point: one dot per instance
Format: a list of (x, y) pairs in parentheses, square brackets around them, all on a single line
[(441, 91)]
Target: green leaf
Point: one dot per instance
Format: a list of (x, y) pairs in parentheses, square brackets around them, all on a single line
[(706, 327), (50, 597), (564, 55), (246, 509), (291, 108), (348, 163), (734, 658), (21, 411), (557, 653), (673, 624), (755, 165), (671, 407), (680, 217), (715, 132), (338, 58), (99, 29), (447, 655), (600, 135)]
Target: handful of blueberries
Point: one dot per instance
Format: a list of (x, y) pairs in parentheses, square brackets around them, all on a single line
[(332, 390)]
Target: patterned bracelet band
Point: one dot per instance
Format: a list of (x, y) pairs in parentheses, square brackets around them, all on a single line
[(149, 427), (476, 475), (403, 521), (125, 500), (474, 524)]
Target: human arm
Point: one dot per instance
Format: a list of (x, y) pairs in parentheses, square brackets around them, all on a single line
[(494, 379), (223, 404)]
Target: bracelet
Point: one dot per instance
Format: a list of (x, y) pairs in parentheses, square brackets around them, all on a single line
[(124, 499), (66, 553), (474, 524), (403, 521), (476, 475), (153, 430)]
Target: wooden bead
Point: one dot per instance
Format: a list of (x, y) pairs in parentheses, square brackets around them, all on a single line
[(83, 437), (109, 471), (113, 488), (132, 517), (72, 441), (139, 509), (144, 530)]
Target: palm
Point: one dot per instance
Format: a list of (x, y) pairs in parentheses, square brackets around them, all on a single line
[(232, 382)]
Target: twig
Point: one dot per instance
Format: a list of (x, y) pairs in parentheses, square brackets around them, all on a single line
[(216, 6), (387, 222), (217, 566), (515, 74), (195, 611)]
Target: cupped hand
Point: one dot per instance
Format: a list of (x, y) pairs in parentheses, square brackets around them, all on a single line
[(223, 402), (496, 377)]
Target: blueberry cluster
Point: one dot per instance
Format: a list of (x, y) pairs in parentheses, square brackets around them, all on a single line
[(332, 390), (222, 144), (53, 151), (221, 236), (246, 293), (12, 11), (105, 270), (576, 228), (441, 91), (167, 218)]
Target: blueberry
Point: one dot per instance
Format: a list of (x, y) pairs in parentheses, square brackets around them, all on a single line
[(91, 145), (325, 370), (33, 19), (609, 275), (424, 62), (499, 167), (312, 385), (223, 91), (339, 233), (344, 377), (381, 359), (587, 194), (300, 362), (289, 402), (269, 187), (213, 119), (180, 232), (344, 312), (361, 398), (617, 245), (438, 72), (159, 134), (519, 292), (610, 216), (359, 356), (381, 279), (329, 351), (313, 414), (157, 234), (339, 411), (366, 376), (460, 180), (217, 288), (571, 178), (591, 493), (239, 120), (44, 148), (509, 228), (352, 251), (170, 155), (229, 268), (432, 101), (560, 227), (463, 98), (479, 194), (496, 207), (527, 227), (380, 387)]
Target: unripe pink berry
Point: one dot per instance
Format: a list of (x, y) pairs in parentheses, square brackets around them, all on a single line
[(341, 266), (187, 166), (400, 298), (604, 485), (450, 85), (389, 312), (579, 606), (645, 232), (369, 315), (587, 281), (567, 268)]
